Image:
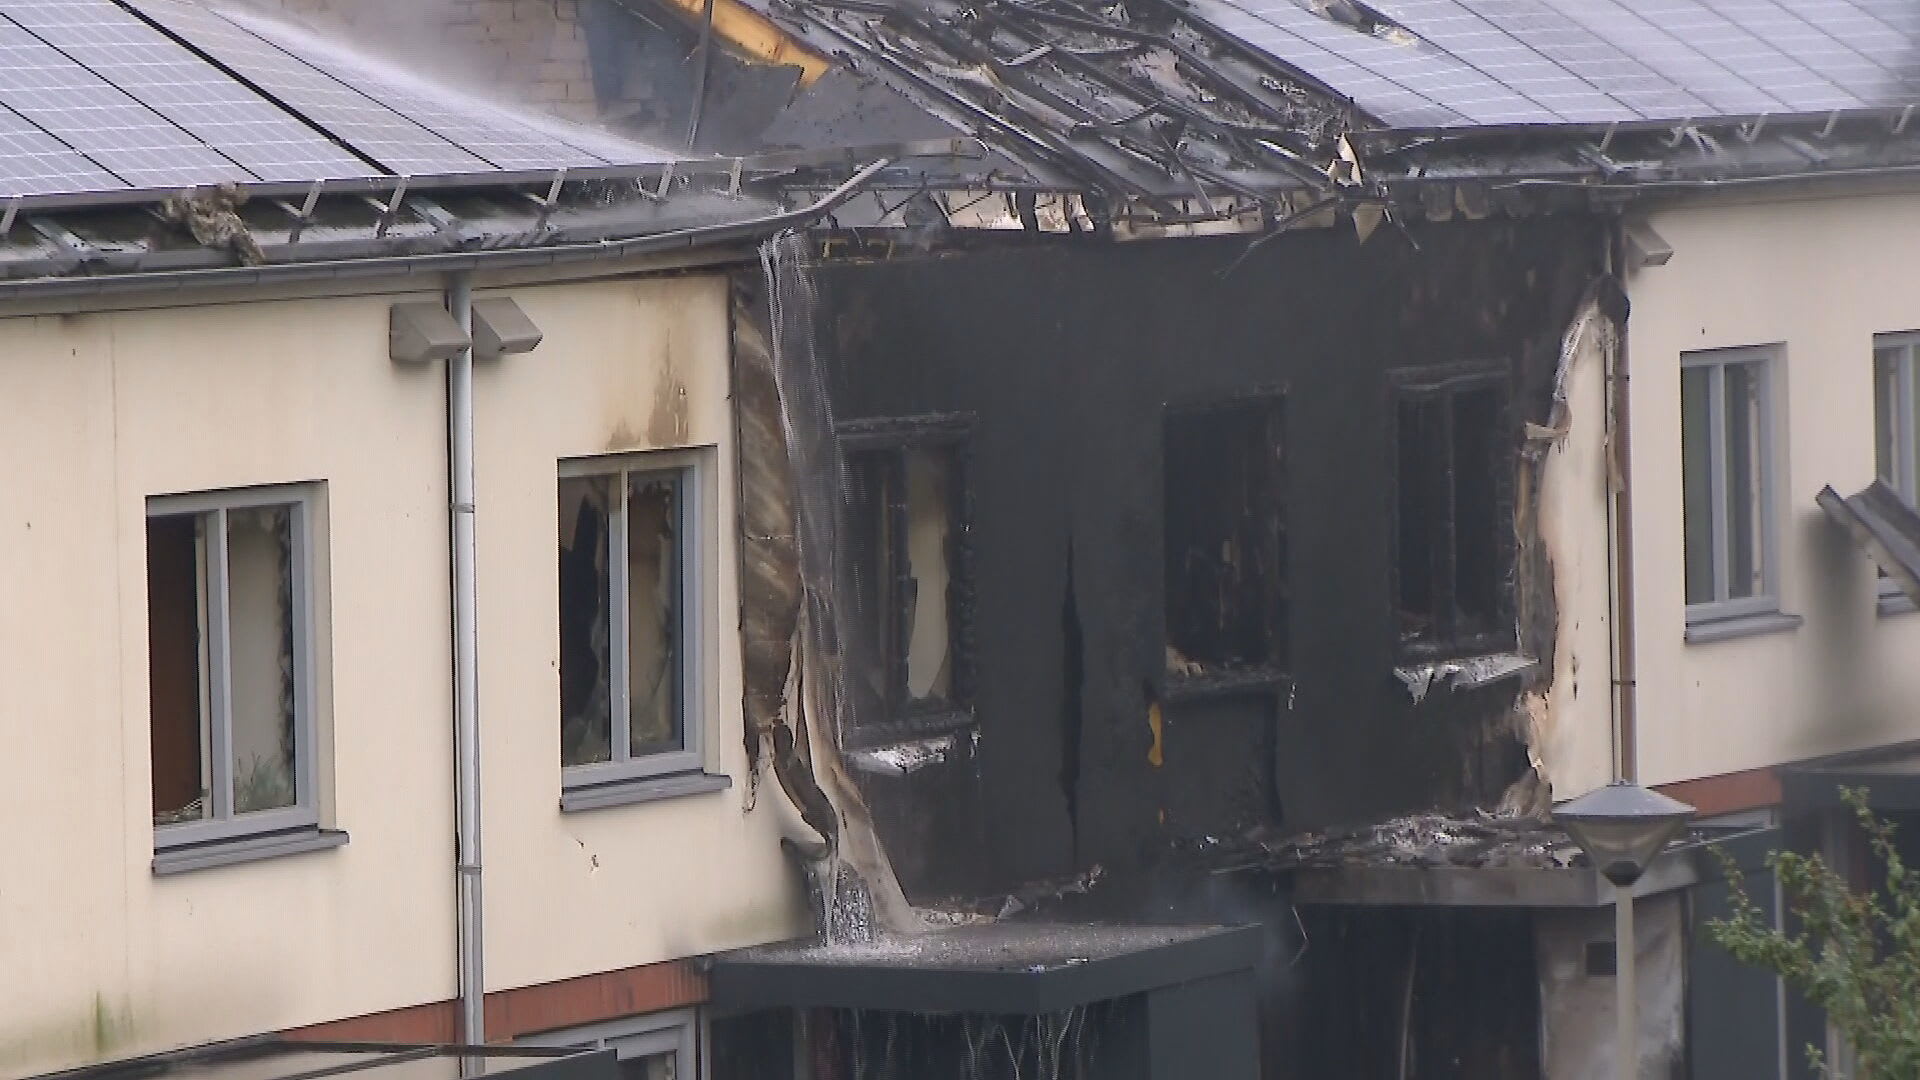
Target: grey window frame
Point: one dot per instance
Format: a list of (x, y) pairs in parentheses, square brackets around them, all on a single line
[(693, 474), (1765, 359), (675, 1031), (1906, 441), (221, 823)]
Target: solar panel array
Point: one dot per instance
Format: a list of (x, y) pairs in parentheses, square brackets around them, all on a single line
[(113, 95), (1453, 63)]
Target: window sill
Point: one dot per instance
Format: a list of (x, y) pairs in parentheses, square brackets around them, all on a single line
[(1218, 684), (1707, 631), (1894, 603), (205, 856), (640, 790), (923, 725)]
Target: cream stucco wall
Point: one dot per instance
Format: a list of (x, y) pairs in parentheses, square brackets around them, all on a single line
[(1819, 278), (100, 958)]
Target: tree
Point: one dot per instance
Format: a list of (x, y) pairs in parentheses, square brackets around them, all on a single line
[(1854, 954)]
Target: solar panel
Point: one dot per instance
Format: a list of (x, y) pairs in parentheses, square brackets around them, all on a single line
[(1845, 67), (397, 143), (1722, 91), (503, 138), (46, 87), (163, 75), (1594, 59), (33, 162), (1745, 54), (1486, 47)]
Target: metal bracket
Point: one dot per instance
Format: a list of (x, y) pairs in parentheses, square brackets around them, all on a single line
[(1606, 140), (303, 214), (8, 217), (389, 210), (733, 177), (1900, 123), (1749, 132), (1833, 118), (666, 177)]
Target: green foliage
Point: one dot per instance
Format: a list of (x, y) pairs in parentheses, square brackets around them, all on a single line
[(1856, 955)]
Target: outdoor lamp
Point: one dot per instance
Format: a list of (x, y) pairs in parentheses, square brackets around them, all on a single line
[(1622, 827)]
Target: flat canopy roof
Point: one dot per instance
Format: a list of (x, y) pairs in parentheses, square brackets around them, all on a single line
[(988, 968), (274, 1058), (1890, 775)]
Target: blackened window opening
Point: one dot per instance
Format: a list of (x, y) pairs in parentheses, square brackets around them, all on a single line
[(1224, 549), (906, 503), (1453, 534)]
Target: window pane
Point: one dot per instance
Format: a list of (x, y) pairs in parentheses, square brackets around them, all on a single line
[(1745, 471), (652, 1067), (871, 575), (1223, 537), (653, 612), (1696, 450), (1421, 510), (925, 612), (176, 655), (586, 698), (260, 606), (1886, 403), (1480, 535)]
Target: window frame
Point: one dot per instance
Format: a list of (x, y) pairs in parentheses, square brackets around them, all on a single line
[(1450, 380), (302, 499), (693, 475), (675, 1030), (1906, 441), (953, 432), (1764, 359)]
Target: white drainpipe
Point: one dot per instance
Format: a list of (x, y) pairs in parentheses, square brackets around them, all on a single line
[(466, 679)]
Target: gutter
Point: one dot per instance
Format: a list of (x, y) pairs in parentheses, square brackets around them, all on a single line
[(165, 281)]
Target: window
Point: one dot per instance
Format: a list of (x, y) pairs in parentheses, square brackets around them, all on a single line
[(1727, 480), (659, 1046), (1896, 440), (626, 618), (1453, 518), (1224, 546), (906, 513), (229, 639)]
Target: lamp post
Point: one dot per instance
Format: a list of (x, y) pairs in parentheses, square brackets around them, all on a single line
[(1622, 827)]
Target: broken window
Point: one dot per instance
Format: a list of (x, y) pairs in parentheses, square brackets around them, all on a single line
[(228, 638), (1454, 528), (623, 580), (1726, 478), (1224, 544), (1896, 427), (905, 515)]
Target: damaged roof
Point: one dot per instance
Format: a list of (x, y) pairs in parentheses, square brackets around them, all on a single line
[(1196, 103)]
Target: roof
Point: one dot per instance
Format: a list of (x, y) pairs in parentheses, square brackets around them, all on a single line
[(1460, 63), (110, 96), (1884, 526), (275, 1058), (1207, 108)]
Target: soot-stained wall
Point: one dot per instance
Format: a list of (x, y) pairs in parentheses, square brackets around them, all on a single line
[(1066, 359)]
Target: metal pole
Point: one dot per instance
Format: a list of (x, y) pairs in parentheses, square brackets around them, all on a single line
[(466, 678), (1626, 1011)]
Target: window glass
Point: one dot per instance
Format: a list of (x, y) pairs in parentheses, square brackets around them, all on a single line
[(586, 695), (260, 599), (177, 663), (1479, 438), (1744, 452), (1886, 413), (928, 577), (653, 612), (664, 1066), (1454, 532), (1697, 481)]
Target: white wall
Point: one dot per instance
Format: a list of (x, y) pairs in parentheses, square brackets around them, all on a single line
[(98, 957), (1820, 277)]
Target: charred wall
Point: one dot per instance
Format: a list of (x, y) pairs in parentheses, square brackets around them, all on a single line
[(1064, 361)]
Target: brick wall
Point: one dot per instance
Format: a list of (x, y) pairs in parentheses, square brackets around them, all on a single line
[(528, 51)]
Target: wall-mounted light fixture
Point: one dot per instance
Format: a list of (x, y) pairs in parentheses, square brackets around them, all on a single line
[(501, 328), (423, 331), (1646, 247)]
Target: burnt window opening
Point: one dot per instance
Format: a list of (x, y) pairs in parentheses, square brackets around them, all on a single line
[(906, 520), (1224, 538), (1453, 515)]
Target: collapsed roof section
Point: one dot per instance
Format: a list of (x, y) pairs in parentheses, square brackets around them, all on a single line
[(1208, 107)]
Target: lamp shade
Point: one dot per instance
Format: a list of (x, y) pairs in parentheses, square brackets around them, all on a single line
[(1622, 827)]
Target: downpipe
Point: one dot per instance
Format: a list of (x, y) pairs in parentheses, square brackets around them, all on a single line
[(466, 679)]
